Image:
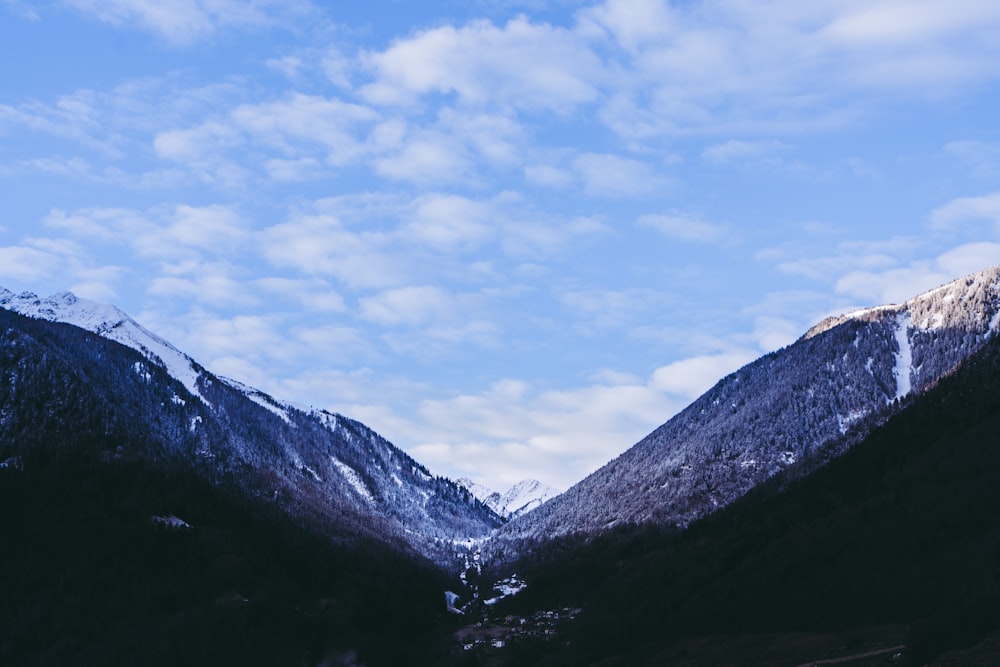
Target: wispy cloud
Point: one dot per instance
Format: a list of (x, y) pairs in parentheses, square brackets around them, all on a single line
[(520, 65), (182, 22), (684, 226), (966, 210)]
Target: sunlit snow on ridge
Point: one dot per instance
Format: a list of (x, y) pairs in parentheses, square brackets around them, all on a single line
[(109, 322)]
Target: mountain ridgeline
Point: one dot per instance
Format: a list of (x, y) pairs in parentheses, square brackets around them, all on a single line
[(789, 412)]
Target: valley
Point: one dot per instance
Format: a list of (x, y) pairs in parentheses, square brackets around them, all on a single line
[(829, 503)]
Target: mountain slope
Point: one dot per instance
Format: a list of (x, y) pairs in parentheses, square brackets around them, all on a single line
[(899, 530), (65, 391), (794, 408)]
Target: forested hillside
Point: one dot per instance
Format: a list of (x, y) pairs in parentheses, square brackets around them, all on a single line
[(899, 530)]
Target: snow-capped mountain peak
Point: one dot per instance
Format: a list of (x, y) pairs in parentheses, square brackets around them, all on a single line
[(110, 322), (942, 307), (519, 499)]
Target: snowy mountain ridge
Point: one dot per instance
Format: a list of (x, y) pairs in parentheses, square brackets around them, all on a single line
[(519, 499), (111, 323), (788, 412)]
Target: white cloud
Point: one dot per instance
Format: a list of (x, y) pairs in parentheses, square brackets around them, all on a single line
[(560, 436), (450, 222), (409, 306), (736, 150), (520, 65), (26, 265), (982, 157), (690, 378), (298, 135), (611, 175), (960, 211), (713, 67), (58, 264), (632, 23), (21, 9), (607, 308), (204, 283), (313, 295), (428, 157), (969, 258), (547, 175), (293, 171), (684, 226), (318, 244), (900, 283), (301, 122), (182, 231), (907, 23), (182, 22)]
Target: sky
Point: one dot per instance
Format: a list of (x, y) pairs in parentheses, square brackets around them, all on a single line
[(511, 237)]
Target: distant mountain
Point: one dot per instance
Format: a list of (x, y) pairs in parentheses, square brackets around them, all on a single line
[(83, 379), (792, 410), (519, 499)]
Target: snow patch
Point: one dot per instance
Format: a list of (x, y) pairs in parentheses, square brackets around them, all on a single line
[(505, 588), (13, 462), (450, 599), (141, 370), (171, 521), (258, 397), (844, 422), (904, 357), (353, 478)]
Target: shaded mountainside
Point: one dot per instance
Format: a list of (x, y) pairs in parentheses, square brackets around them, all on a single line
[(135, 563), (796, 409), (900, 530), (66, 393)]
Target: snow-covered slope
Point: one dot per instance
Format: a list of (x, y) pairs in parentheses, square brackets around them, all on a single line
[(791, 409), (109, 322), (61, 384), (519, 499)]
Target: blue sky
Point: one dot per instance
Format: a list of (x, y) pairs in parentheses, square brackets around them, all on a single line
[(513, 237)]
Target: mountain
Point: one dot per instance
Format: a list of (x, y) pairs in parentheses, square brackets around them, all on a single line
[(519, 499), (792, 410), (889, 554), (81, 379)]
